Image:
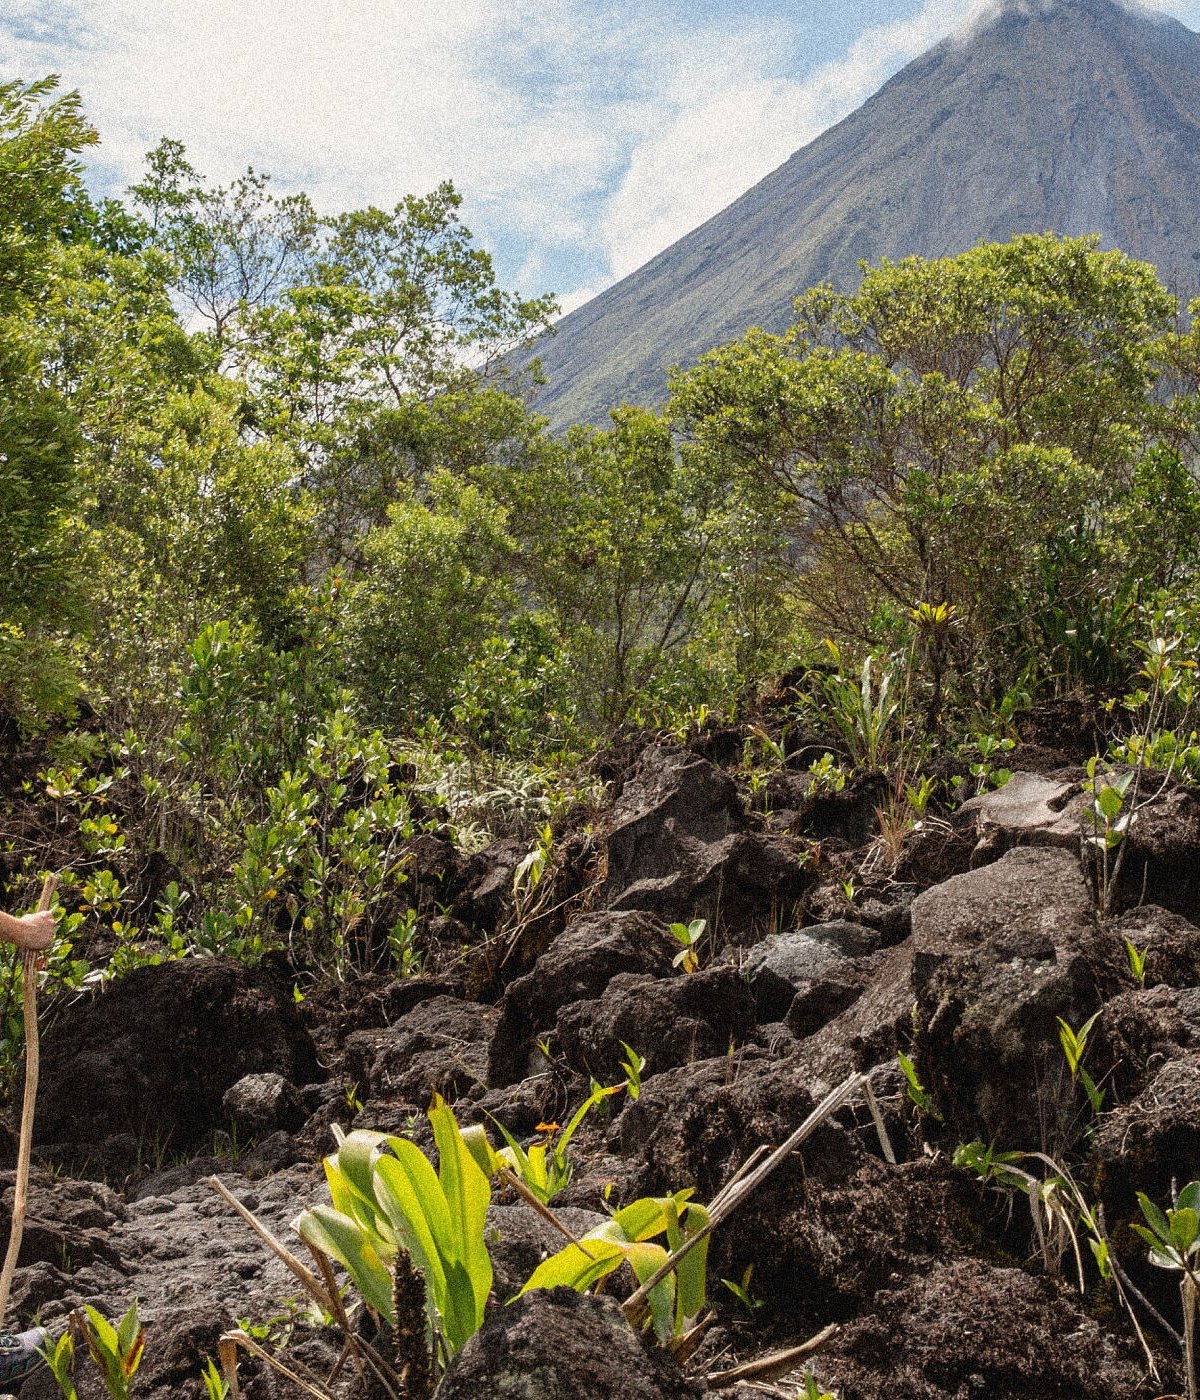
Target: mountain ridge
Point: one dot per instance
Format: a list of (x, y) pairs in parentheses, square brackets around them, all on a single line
[(1077, 116)]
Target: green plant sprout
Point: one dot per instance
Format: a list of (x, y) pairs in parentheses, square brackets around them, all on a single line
[(1074, 1047), (216, 1387), (544, 1168), (689, 935), (1174, 1240), (629, 1237), (633, 1064), (741, 1291), (917, 1092), (1136, 959), (115, 1351), (812, 1391), (863, 707)]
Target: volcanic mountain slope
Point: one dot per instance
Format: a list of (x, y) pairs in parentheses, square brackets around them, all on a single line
[(1077, 116)]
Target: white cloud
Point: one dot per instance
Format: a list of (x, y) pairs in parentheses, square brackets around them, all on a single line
[(583, 125)]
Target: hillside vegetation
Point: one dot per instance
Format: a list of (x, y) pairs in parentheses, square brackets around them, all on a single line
[(333, 681)]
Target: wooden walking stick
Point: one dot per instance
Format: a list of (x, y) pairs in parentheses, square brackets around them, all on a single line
[(25, 1147)]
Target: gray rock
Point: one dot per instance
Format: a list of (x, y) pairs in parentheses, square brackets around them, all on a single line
[(561, 1345), (806, 963), (260, 1104), (999, 954), (1029, 810)]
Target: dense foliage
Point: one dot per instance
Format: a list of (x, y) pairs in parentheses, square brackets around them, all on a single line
[(277, 522)]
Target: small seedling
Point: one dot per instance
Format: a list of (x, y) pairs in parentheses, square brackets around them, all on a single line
[(215, 1385), (115, 1351), (917, 1092), (633, 1064), (1137, 961), (689, 935), (1074, 1047), (812, 1391), (741, 1291)]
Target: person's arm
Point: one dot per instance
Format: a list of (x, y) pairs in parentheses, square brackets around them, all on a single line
[(32, 931)]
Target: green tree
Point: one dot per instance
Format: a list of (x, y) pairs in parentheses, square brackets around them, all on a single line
[(963, 432), (40, 194)]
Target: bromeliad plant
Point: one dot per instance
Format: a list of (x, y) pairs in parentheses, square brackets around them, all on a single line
[(632, 1236), (387, 1198), (544, 1167)]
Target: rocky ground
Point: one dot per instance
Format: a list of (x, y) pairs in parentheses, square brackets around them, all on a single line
[(831, 948)]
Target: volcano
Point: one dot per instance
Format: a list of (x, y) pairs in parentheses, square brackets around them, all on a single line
[(1072, 116)]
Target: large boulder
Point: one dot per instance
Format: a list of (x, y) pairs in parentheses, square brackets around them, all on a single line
[(440, 1047), (999, 954), (1029, 810), (142, 1068), (560, 1345), (679, 845), (577, 966), (668, 1020), (965, 1328)]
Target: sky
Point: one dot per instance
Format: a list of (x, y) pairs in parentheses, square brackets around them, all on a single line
[(584, 135)]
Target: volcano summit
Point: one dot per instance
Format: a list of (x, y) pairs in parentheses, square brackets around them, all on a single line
[(1076, 116)]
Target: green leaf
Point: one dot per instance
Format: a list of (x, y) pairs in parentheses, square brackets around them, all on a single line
[(345, 1240), (467, 1194), (1155, 1218), (572, 1267), (1185, 1225), (1189, 1197)]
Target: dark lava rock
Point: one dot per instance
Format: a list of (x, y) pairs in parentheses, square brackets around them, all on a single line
[(67, 1224), (561, 1345), (964, 1329), (870, 1031), (1145, 1144), (834, 1225), (679, 846), (1171, 944), (846, 819), (670, 1021), (1000, 953), (488, 879), (578, 966), (152, 1056), (810, 966), (694, 1126), (441, 1046), (1162, 855), (260, 1104), (1141, 1030)]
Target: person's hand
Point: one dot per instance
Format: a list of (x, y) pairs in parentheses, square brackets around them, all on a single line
[(32, 931)]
